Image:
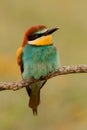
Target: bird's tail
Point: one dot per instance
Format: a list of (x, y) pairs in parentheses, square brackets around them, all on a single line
[(34, 93), (34, 101)]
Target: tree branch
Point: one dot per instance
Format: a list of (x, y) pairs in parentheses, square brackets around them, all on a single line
[(61, 71)]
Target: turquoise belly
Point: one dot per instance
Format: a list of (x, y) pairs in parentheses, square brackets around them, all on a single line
[(39, 61)]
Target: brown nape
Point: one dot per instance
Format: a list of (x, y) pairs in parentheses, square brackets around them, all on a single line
[(31, 31)]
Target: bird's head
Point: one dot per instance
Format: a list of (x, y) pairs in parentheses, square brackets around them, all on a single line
[(38, 35)]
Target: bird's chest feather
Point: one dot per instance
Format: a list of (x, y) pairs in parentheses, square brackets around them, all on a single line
[(39, 61)]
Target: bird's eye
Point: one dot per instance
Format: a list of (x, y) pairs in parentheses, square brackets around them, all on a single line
[(34, 36)]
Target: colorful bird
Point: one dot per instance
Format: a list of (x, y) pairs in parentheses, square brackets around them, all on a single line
[(37, 57)]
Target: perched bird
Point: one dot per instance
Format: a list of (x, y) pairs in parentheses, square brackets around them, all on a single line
[(37, 57)]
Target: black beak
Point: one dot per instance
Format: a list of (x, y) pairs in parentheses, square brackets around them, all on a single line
[(50, 31)]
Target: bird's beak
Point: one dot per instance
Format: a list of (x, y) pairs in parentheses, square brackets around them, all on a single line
[(50, 31)]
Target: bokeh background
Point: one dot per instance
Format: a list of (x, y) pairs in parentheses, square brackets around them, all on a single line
[(64, 98)]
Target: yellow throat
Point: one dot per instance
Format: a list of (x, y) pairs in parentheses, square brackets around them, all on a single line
[(42, 41)]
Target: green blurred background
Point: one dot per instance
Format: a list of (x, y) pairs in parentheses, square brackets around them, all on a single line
[(64, 98)]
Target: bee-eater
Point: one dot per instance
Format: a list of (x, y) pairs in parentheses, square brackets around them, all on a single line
[(37, 57)]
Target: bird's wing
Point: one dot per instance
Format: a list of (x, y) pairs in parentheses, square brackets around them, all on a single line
[(19, 58)]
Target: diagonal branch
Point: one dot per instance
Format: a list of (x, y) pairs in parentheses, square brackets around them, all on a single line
[(60, 71)]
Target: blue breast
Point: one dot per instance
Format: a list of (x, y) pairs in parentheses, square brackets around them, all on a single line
[(39, 61)]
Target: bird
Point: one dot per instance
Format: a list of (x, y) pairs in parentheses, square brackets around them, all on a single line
[(37, 57)]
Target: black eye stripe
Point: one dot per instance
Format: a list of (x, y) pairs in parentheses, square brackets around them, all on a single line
[(34, 36)]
